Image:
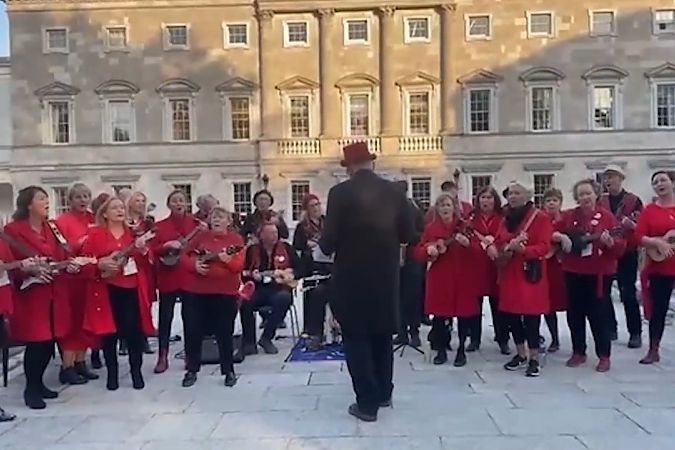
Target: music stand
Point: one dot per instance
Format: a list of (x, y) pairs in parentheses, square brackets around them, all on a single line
[(403, 346)]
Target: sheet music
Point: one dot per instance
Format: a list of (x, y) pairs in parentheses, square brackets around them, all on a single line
[(319, 256)]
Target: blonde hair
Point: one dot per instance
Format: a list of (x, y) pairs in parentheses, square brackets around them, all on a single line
[(220, 210), (76, 188), (100, 220), (440, 199)]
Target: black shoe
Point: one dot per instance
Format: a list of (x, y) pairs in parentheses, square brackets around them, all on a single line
[(517, 362), (250, 349), (635, 341), (472, 347), (356, 412), (400, 339), (313, 344), (147, 349), (460, 359), (81, 368), (175, 338), (33, 400), (268, 347), (504, 349), (47, 393), (386, 403), (230, 379), (532, 368), (415, 338), (124, 351), (554, 347), (137, 379), (189, 379), (282, 325), (440, 358), (5, 416), (112, 382), (614, 335), (71, 377), (96, 359)]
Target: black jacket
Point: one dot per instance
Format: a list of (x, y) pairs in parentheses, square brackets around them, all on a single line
[(253, 222), (301, 246), (367, 220)]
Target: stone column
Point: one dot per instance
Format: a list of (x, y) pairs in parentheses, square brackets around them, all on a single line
[(265, 37), (389, 113), (448, 83), (330, 113)]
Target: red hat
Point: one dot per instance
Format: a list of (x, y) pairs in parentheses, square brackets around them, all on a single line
[(356, 153)]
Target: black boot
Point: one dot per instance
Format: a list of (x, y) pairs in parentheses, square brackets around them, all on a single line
[(146, 348), (189, 379), (113, 379), (441, 357), (137, 379), (460, 358), (71, 377), (47, 393), (415, 337), (136, 362), (230, 379), (33, 399), (124, 351), (82, 370), (96, 359)]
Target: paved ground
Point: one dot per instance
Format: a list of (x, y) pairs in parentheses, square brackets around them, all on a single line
[(279, 405)]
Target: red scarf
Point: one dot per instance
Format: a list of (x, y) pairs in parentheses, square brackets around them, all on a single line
[(280, 257), (311, 228)]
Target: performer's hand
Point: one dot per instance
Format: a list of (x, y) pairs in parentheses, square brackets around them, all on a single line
[(664, 247), (627, 223), (224, 257), (45, 275), (256, 275), (312, 244), (107, 265), (565, 243), (73, 267), (492, 252), (201, 268), (462, 240), (142, 241), (29, 265), (607, 239), (432, 251), (172, 244)]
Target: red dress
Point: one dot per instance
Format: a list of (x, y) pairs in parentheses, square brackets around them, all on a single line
[(556, 277), (450, 287), (222, 278), (42, 311), (74, 227), (483, 267), (516, 294), (98, 315), (171, 278), (6, 290)]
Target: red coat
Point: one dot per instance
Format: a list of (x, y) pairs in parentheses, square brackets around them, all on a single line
[(42, 311), (516, 294), (98, 316), (557, 288), (6, 290), (171, 278), (655, 221), (450, 287), (483, 267), (222, 278)]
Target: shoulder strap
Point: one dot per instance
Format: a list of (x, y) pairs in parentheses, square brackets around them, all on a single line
[(530, 219), (63, 243)]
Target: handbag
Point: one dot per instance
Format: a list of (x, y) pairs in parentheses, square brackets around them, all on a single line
[(532, 270)]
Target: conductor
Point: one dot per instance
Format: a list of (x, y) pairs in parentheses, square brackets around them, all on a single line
[(367, 220)]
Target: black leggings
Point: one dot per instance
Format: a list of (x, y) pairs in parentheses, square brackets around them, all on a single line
[(499, 323), (127, 316), (167, 302), (35, 361), (552, 324), (585, 303), (315, 310), (660, 289), (439, 336), (525, 327)]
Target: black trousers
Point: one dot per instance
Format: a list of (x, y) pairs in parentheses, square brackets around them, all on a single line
[(35, 361), (219, 311), (370, 361), (411, 295), (626, 276), (167, 302), (584, 303), (440, 334), (660, 289), (278, 299), (525, 328), (315, 302), (499, 323), (127, 316)]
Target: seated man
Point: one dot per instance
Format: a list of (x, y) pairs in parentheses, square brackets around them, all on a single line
[(270, 264)]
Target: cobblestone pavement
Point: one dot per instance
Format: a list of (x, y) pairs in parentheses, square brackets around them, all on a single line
[(279, 405)]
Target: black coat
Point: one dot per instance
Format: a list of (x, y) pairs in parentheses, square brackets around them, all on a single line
[(367, 219)]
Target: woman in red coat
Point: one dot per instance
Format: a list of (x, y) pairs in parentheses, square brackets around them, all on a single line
[(522, 242), (41, 310), (212, 288), (557, 290), (485, 222), (591, 252), (656, 220), (74, 225), (450, 290), (117, 294)]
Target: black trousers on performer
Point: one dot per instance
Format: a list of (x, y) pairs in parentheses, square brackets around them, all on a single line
[(219, 311), (167, 303), (127, 316), (370, 361), (525, 329), (499, 323), (278, 299), (439, 336), (660, 289), (626, 276), (314, 305), (411, 295), (584, 303), (35, 361)]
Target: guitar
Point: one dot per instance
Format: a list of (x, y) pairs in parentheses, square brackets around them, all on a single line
[(121, 256), (657, 255), (172, 255), (55, 267), (279, 276), (206, 256)]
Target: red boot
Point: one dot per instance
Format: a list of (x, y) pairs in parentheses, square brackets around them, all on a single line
[(576, 360), (162, 361), (653, 353), (603, 364)]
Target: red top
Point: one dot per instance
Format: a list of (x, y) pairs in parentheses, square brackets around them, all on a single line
[(600, 260), (171, 278), (6, 290), (74, 225), (222, 278), (484, 268), (656, 221)]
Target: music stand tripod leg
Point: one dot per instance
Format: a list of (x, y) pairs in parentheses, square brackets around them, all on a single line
[(402, 347)]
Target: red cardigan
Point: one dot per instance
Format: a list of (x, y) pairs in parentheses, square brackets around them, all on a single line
[(655, 221), (171, 278), (222, 278), (484, 268)]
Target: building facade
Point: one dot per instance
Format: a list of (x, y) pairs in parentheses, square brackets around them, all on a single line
[(6, 196), (220, 95)]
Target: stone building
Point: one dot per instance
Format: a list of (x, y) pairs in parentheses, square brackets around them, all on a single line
[(6, 196), (219, 95)]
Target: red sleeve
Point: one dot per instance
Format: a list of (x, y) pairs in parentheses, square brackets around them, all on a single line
[(642, 227), (420, 250), (539, 243), (91, 247)]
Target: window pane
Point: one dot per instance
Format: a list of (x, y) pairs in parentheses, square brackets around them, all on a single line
[(358, 115), (603, 22), (299, 189), (297, 32), (542, 107), (665, 105), (479, 26), (478, 182), (419, 113), (665, 20), (242, 197), (187, 190), (357, 30), (418, 28), (237, 34), (239, 108), (57, 39), (120, 120), (180, 119), (59, 200), (420, 191), (117, 188), (177, 35), (299, 116), (479, 109), (542, 183), (117, 37), (603, 106), (540, 23), (60, 122)]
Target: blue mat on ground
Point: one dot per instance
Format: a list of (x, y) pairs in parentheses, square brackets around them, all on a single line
[(329, 352)]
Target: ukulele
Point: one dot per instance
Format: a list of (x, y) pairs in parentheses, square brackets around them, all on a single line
[(279, 276), (657, 255), (120, 257), (206, 256), (171, 256), (55, 267)]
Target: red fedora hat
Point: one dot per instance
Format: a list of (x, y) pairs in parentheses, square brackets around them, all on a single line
[(356, 153)]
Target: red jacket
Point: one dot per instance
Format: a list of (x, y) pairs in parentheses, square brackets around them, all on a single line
[(6, 289), (42, 311), (483, 267), (74, 226), (516, 294), (98, 316), (171, 278), (557, 288), (222, 278), (629, 206), (655, 221), (602, 260), (450, 288)]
